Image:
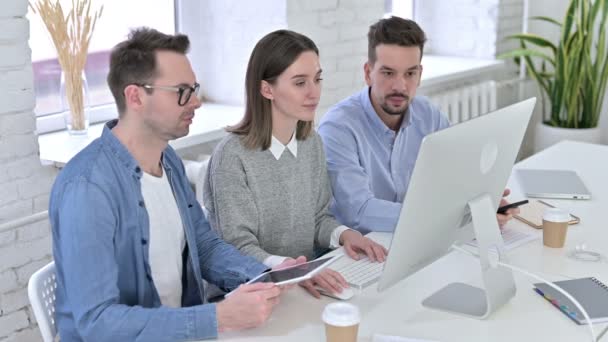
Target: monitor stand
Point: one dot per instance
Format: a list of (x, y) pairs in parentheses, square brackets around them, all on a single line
[(498, 281)]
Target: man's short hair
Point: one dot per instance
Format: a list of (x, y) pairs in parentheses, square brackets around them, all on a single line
[(394, 31), (133, 61)]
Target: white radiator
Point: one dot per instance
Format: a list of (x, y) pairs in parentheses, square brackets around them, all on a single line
[(466, 102)]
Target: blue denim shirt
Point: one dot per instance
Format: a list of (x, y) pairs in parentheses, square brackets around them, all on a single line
[(100, 232), (369, 164)]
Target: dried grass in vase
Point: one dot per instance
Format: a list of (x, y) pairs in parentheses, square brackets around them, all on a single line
[(71, 35)]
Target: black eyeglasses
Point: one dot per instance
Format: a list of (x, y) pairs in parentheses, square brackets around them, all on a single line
[(184, 91)]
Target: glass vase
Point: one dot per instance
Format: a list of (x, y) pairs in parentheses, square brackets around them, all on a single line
[(74, 92)]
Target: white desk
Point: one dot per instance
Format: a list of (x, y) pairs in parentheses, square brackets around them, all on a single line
[(528, 317)]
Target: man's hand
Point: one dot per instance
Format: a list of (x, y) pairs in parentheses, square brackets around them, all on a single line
[(504, 218), (355, 243), (328, 279), (248, 307)]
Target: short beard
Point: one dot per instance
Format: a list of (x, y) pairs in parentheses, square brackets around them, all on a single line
[(390, 111)]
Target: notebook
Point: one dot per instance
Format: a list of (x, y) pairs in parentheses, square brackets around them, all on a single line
[(591, 293)]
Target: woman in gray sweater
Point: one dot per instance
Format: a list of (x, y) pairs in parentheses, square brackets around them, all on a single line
[(267, 189)]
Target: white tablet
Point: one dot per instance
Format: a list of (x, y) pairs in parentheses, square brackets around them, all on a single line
[(293, 274)]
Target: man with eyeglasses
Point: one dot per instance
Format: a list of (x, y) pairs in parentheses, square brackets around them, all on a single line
[(130, 243)]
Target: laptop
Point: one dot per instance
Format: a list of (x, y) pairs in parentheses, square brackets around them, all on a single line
[(565, 184)]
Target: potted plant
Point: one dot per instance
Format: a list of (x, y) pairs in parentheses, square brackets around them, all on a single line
[(571, 75), (71, 34)]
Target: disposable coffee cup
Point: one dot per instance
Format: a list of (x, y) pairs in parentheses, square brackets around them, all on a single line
[(341, 322), (555, 227)]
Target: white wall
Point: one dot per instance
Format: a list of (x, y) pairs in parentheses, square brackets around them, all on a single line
[(24, 183), (339, 28), (222, 36), (460, 27)]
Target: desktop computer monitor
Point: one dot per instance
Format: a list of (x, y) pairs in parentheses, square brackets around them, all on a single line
[(455, 189)]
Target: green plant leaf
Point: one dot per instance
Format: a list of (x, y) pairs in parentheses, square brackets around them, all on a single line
[(528, 53), (547, 19), (534, 39), (567, 26), (574, 73)]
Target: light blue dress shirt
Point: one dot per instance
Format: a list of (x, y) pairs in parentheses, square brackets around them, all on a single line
[(369, 164)]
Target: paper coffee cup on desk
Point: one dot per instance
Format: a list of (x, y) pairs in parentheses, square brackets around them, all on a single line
[(341, 322), (555, 227)]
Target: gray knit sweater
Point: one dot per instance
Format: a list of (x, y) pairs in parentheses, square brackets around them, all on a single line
[(266, 206)]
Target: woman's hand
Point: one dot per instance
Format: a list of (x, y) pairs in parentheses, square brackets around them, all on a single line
[(328, 279), (355, 243)]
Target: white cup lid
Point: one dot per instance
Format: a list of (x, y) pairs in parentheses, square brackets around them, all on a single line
[(341, 314), (556, 215)]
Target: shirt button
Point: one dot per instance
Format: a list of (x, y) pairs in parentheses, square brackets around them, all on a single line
[(137, 169), (149, 277), (144, 241), (142, 204)]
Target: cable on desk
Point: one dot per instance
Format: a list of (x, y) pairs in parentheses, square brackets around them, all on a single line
[(525, 272)]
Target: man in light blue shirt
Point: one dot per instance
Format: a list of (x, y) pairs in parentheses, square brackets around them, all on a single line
[(373, 137)]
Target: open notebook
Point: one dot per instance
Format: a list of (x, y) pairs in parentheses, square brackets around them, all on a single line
[(591, 293)]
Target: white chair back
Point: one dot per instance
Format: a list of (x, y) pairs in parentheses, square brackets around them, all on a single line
[(41, 292), (195, 171)]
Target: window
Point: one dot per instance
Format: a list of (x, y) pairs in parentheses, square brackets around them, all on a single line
[(400, 8), (118, 18), (463, 28)]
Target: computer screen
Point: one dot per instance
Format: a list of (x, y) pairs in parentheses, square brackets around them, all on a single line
[(459, 175)]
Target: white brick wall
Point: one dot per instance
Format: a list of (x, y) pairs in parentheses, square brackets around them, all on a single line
[(469, 28), (510, 21), (339, 28), (220, 56), (24, 182), (460, 27), (222, 34)]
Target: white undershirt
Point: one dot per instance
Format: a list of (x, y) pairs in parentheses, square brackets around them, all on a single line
[(166, 238)]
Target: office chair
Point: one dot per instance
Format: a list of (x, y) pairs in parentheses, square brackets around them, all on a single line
[(41, 292), (195, 171)]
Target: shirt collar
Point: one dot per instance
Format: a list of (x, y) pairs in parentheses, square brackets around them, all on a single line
[(122, 153), (118, 149), (277, 148)]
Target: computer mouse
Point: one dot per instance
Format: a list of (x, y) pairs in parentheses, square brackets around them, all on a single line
[(346, 294)]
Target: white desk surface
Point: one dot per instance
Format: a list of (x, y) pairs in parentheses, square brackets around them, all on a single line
[(208, 124), (527, 317)]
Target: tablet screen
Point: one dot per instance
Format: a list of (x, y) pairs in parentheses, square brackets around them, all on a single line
[(280, 276)]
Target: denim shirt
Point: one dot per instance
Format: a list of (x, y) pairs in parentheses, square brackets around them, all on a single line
[(101, 237)]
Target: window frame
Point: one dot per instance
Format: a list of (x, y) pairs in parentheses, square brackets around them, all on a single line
[(55, 121)]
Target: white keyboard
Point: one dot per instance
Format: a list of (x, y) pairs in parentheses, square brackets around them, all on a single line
[(358, 273), (362, 273)]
